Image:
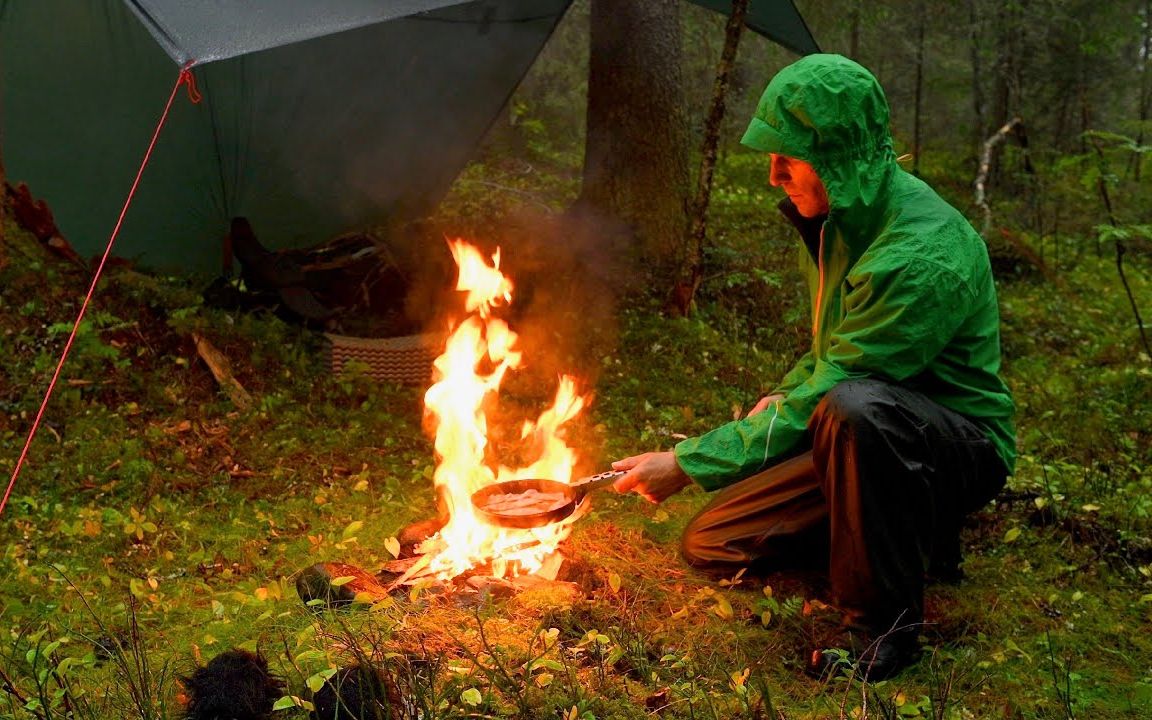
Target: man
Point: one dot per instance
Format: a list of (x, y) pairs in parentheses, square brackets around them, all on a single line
[(867, 455)]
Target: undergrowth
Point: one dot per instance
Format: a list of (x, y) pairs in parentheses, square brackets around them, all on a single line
[(156, 524)]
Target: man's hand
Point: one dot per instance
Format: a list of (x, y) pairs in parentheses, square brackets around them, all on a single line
[(654, 476), (764, 404)]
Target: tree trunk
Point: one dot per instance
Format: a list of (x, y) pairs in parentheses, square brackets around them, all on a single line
[(684, 292), (3, 203), (979, 106), (922, 20), (636, 151), (854, 31), (1145, 87), (1006, 73)]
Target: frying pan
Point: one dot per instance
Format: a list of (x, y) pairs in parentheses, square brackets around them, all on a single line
[(573, 495)]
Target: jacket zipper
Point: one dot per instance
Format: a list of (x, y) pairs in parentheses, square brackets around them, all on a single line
[(820, 286)]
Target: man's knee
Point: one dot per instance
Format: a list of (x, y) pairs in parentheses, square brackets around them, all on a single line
[(694, 547), (851, 403), (707, 548)]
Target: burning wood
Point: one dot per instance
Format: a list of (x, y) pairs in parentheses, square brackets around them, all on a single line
[(480, 350), (466, 553)]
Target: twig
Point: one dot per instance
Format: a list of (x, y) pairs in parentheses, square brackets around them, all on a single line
[(417, 566), (1121, 248), (515, 191), (135, 670), (1065, 694), (221, 370), (10, 688), (685, 291), (985, 166)]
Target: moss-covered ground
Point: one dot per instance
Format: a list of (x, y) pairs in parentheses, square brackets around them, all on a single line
[(156, 524)]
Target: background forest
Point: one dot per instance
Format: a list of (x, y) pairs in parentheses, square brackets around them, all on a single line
[(159, 522)]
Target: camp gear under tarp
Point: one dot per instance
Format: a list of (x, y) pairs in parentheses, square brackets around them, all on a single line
[(317, 117)]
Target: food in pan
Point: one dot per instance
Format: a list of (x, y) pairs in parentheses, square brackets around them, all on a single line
[(528, 502)]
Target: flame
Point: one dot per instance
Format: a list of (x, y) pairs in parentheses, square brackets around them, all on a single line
[(484, 283), (478, 354)]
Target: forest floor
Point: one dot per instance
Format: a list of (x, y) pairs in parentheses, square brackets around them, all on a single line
[(156, 525)]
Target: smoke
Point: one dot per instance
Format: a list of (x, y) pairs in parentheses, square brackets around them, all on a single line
[(569, 273)]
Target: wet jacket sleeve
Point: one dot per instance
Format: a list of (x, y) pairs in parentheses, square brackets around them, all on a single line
[(800, 372), (898, 316)]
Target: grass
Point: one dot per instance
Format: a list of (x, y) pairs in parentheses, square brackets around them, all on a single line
[(156, 525)]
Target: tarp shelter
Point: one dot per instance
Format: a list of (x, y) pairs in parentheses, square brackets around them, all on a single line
[(317, 116)]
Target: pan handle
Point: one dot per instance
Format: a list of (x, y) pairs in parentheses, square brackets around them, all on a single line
[(596, 482)]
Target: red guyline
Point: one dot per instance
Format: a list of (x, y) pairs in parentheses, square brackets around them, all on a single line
[(185, 77)]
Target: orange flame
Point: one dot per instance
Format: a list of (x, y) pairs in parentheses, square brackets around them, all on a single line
[(456, 402)]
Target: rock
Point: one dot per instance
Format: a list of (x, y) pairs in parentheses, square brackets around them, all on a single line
[(358, 692), (316, 583), (234, 684)]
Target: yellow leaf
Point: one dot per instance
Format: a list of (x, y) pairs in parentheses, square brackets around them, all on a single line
[(392, 545), (544, 679), (261, 594), (352, 529), (315, 682), (472, 697), (1012, 535), (614, 582), (342, 580), (723, 608)]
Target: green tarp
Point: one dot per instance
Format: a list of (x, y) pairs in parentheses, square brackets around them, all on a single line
[(316, 118)]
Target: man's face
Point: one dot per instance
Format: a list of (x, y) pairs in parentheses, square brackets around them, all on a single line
[(800, 181)]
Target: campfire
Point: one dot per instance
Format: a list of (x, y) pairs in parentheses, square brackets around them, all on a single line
[(480, 351)]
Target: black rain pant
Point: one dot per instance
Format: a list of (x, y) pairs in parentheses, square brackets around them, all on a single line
[(881, 494)]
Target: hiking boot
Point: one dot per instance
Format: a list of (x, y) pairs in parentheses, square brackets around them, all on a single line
[(866, 655), (944, 565)]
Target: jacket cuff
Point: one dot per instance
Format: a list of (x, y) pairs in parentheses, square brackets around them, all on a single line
[(699, 465)]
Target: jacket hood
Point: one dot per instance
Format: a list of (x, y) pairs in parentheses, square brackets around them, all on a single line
[(830, 112)]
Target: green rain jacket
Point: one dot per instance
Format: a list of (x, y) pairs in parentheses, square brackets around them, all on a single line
[(901, 289)]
